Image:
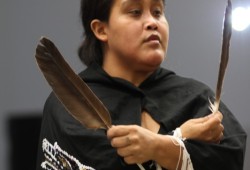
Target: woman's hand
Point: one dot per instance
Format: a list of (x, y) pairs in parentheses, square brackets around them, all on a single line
[(208, 129), (138, 145), (134, 143)]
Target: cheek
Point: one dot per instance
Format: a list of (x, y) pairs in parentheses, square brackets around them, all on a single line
[(130, 35), (165, 35), (125, 36)]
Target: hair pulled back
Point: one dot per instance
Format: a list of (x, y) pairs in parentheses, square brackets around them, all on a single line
[(90, 50)]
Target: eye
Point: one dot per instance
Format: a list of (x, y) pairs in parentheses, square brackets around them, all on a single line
[(157, 12), (135, 12)]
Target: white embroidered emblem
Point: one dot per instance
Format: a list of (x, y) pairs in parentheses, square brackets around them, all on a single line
[(57, 159)]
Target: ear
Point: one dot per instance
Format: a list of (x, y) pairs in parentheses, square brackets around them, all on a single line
[(99, 29)]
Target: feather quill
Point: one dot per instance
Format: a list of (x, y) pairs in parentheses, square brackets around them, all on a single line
[(227, 31), (69, 88)]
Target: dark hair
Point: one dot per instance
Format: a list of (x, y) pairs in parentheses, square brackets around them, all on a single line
[(90, 50)]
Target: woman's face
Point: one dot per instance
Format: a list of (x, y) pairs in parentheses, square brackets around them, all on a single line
[(137, 33)]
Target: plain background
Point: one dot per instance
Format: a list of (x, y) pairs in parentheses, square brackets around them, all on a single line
[(194, 51)]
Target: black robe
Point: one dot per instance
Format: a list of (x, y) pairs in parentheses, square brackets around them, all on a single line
[(168, 98)]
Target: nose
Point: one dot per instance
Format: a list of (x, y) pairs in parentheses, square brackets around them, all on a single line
[(151, 23), (152, 27)]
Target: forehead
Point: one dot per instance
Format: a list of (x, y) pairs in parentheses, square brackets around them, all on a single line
[(141, 1)]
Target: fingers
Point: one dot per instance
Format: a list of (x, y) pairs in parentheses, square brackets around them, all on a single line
[(219, 138), (122, 136), (216, 135), (218, 115), (215, 127), (121, 131), (127, 150), (118, 136), (134, 143), (119, 142), (214, 120), (116, 131)]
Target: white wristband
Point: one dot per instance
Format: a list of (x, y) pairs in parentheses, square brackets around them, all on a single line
[(178, 134)]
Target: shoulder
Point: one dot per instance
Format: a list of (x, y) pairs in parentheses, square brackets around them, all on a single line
[(52, 104), (54, 111), (170, 81)]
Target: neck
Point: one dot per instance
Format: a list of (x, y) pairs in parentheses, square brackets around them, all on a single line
[(125, 71)]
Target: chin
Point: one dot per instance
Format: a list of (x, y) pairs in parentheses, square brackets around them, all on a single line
[(155, 61), (152, 66)]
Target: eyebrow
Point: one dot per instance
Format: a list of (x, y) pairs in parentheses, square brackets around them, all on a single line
[(132, 1)]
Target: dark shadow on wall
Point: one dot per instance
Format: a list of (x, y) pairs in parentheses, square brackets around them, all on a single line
[(23, 136)]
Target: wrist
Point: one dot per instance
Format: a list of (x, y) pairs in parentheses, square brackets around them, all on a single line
[(178, 134), (165, 152)]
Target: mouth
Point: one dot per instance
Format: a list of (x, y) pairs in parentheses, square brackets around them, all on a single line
[(153, 38)]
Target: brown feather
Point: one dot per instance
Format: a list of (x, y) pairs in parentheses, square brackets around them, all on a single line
[(69, 88), (227, 31)]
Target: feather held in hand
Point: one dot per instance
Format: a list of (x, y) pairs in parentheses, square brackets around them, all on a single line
[(227, 31), (69, 88)]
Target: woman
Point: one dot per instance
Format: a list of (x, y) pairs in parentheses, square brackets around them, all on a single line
[(161, 120)]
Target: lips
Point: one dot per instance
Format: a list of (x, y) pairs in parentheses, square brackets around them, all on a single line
[(153, 37)]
